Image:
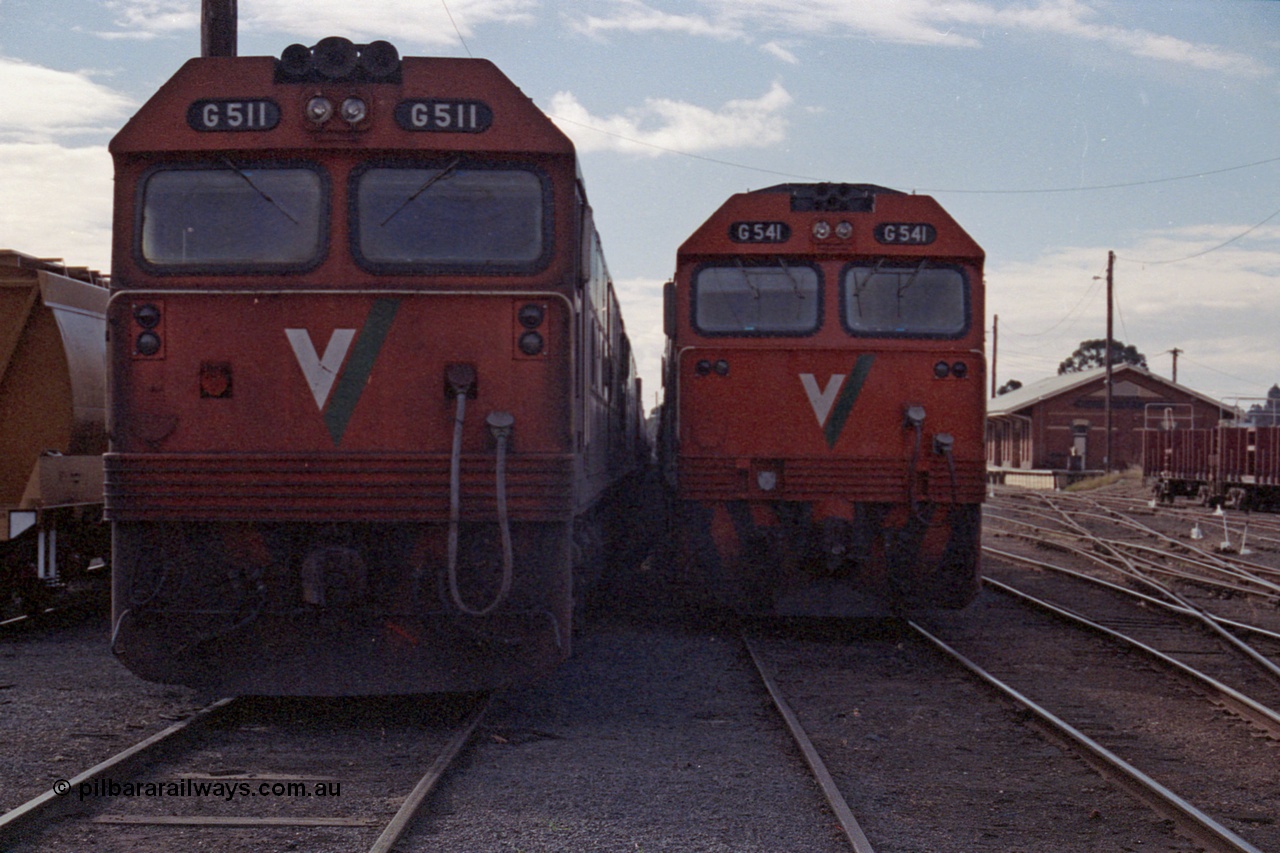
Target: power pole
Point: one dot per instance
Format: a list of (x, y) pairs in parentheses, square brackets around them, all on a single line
[(995, 345), (1111, 265), (1175, 352)]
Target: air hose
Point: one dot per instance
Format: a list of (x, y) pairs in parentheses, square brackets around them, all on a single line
[(500, 425)]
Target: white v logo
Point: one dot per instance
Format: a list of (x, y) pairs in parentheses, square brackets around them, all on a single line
[(823, 399), (321, 372)]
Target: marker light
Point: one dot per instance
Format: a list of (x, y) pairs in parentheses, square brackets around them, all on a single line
[(721, 367), (147, 316), (531, 343), (353, 110), (844, 230), (941, 369), (319, 110), (148, 343), (822, 229), (530, 315), (959, 370), (703, 367)]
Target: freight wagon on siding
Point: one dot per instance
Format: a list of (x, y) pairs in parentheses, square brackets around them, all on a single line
[(52, 426)]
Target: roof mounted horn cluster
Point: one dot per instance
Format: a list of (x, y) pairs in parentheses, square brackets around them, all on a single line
[(336, 59)]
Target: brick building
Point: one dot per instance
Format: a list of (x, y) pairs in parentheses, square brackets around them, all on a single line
[(1059, 424)]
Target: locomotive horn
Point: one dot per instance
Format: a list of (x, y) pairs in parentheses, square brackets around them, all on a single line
[(218, 25)]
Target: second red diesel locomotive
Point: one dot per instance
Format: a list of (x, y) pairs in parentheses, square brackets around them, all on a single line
[(822, 432), (370, 391)]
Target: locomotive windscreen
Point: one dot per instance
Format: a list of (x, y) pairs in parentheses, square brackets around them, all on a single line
[(916, 301), (450, 216), (233, 216), (740, 299)]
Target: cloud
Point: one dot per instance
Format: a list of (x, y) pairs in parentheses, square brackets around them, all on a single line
[(409, 21), (960, 24), (641, 301), (665, 126), (58, 194), (776, 50), (42, 103), (634, 16), (58, 202), (1217, 308), (143, 19)]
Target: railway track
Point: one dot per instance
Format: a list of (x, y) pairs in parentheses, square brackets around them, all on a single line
[(269, 779), (1154, 600), (1194, 822), (1198, 670)]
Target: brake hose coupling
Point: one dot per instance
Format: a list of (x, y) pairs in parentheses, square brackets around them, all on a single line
[(943, 442), (913, 417), (460, 379), (500, 424)]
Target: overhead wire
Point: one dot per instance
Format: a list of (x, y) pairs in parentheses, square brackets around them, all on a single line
[(1203, 252), (463, 41)]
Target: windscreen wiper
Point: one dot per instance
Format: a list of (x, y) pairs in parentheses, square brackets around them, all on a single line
[(426, 185), (248, 180)]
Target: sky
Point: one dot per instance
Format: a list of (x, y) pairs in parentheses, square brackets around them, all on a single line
[(1054, 131)]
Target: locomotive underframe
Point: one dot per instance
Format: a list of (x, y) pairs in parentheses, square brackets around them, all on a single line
[(776, 559), (337, 608)]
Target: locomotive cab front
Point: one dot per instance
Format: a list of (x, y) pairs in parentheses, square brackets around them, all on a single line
[(823, 435)]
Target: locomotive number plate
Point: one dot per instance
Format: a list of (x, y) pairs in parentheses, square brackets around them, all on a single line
[(906, 233), (759, 232), (237, 115), (441, 116)]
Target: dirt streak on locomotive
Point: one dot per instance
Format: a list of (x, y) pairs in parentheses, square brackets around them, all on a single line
[(822, 431), (370, 391)]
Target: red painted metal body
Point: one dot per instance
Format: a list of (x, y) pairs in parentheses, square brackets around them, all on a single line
[(823, 469), (281, 477)]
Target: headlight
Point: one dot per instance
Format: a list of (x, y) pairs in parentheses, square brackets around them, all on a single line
[(353, 110), (319, 110)]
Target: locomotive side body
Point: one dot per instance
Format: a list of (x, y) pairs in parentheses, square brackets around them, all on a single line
[(822, 435), (357, 421), (52, 425)]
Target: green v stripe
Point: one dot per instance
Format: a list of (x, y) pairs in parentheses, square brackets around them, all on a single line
[(848, 396), (364, 352)]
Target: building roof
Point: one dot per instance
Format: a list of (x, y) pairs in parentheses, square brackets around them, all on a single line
[(1035, 392)]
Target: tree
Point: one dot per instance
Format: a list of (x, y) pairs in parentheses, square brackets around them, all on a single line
[(1011, 385), (1093, 354)]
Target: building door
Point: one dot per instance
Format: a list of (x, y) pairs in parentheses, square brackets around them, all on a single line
[(1079, 447)]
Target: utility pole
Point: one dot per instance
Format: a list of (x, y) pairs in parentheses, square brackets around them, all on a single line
[(1175, 352), (995, 345), (1111, 265)]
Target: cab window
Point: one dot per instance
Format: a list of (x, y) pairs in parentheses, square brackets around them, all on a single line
[(451, 218), (232, 217), (920, 300), (757, 299)]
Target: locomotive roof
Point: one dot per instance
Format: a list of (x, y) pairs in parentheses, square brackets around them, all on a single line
[(518, 125), (800, 205)]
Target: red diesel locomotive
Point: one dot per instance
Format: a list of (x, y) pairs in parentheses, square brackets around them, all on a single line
[(370, 392), (822, 431)]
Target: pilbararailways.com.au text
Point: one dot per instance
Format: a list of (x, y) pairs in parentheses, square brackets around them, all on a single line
[(225, 790)]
